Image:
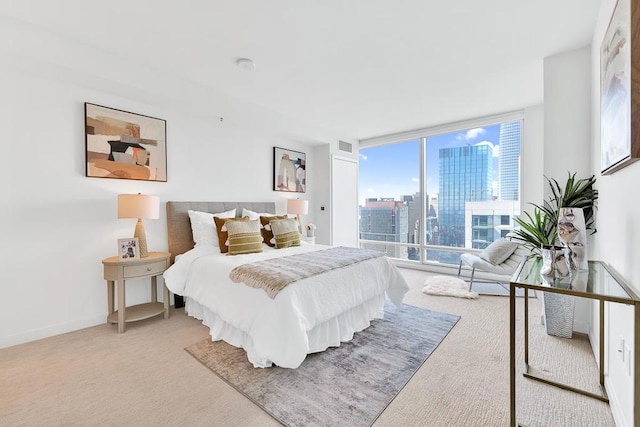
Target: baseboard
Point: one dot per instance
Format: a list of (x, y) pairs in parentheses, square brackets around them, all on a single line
[(618, 415), (49, 331)]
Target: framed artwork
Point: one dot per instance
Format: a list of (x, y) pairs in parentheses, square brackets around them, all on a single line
[(128, 249), (289, 170), (124, 145), (619, 92)]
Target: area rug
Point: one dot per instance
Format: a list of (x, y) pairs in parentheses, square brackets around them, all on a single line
[(348, 385), (449, 286)]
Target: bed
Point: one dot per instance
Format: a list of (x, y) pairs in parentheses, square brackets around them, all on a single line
[(307, 316)]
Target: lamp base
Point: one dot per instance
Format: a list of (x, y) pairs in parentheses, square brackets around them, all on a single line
[(299, 223), (142, 238)]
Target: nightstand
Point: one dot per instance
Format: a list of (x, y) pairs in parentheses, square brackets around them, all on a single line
[(116, 270), (311, 240)]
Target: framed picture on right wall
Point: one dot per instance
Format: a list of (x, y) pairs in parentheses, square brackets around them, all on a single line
[(620, 88)]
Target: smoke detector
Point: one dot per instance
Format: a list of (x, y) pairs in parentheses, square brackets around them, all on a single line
[(246, 64)]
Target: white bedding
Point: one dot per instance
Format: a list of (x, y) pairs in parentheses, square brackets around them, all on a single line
[(307, 316)]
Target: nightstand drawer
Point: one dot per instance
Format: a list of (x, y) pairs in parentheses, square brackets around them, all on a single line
[(145, 270)]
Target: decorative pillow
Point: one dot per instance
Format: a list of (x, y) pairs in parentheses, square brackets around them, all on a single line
[(222, 231), (244, 237), (498, 251), (266, 228), (254, 215), (203, 228), (285, 232)]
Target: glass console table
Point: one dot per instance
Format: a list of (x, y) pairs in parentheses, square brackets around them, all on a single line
[(598, 283)]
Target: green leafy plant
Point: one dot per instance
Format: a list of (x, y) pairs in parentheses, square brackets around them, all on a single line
[(534, 231), (540, 228)]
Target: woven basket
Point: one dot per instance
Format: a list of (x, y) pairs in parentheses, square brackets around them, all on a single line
[(558, 313)]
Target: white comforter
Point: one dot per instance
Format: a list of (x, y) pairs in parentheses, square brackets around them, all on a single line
[(278, 328)]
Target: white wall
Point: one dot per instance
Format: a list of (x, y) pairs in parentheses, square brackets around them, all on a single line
[(616, 242), (57, 225), (567, 132), (532, 156), (567, 114)]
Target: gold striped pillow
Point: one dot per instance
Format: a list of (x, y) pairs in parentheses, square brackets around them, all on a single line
[(244, 237), (267, 234), (286, 233), (221, 229)]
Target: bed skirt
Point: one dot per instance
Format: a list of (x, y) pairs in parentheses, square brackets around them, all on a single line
[(327, 334)]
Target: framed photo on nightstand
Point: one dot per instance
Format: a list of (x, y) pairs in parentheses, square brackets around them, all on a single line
[(128, 249)]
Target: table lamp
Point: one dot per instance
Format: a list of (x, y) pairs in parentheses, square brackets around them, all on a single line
[(139, 206), (298, 207)]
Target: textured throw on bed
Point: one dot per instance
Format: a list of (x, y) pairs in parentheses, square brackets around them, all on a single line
[(275, 274)]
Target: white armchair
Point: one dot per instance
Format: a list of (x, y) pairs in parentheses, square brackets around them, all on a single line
[(500, 257)]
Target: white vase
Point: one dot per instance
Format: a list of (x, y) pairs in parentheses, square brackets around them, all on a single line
[(573, 235)]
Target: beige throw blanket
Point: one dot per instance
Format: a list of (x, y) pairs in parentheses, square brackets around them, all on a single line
[(275, 274)]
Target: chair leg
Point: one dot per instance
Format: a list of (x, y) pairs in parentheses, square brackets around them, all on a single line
[(473, 270), (459, 268)]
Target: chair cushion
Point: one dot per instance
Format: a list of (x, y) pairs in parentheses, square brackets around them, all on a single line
[(507, 268), (498, 251), (474, 261)]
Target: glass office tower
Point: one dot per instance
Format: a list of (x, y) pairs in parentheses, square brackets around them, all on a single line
[(509, 163), (466, 175)]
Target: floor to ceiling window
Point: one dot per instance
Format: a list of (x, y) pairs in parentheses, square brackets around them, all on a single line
[(431, 197), (389, 199)]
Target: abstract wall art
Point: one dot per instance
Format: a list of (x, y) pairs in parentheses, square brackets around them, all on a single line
[(620, 88), (124, 145), (289, 170)]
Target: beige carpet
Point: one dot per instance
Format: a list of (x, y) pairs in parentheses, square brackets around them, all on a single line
[(145, 378)]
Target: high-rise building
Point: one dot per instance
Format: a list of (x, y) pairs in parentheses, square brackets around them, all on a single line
[(486, 222), (385, 220), (509, 162), (466, 175)]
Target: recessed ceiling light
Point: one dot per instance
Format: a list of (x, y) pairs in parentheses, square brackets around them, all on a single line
[(246, 64)]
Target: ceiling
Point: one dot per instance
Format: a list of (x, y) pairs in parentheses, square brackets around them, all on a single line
[(332, 68)]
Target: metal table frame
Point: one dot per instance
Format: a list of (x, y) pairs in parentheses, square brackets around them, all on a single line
[(632, 299)]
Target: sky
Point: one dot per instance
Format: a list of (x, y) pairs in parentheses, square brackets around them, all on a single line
[(394, 170)]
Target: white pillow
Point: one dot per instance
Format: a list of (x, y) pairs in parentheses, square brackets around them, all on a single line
[(253, 215), (204, 229), (498, 251)]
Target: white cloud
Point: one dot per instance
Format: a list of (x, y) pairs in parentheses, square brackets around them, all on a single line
[(415, 180), (495, 149), (362, 156), (474, 133), (370, 190)]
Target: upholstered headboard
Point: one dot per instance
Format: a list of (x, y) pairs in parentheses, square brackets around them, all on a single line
[(179, 226)]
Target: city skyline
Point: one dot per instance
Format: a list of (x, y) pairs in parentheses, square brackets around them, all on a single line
[(404, 159)]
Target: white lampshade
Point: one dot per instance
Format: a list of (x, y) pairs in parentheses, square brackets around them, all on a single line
[(297, 206), (138, 206)]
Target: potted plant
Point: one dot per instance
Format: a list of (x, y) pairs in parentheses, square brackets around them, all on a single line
[(538, 231), (540, 227)]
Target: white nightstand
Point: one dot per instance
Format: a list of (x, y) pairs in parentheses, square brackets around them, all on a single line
[(311, 240), (116, 270)]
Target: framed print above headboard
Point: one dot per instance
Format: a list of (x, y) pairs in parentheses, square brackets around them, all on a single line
[(124, 145), (289, 170), (620, 88)]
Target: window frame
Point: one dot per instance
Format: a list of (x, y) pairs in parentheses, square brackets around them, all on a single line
[(422, 135)]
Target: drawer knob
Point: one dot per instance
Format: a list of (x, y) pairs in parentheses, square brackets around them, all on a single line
[(148, 268)]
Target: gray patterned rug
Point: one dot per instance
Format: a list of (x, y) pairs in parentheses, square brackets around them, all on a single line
[(345, 386)]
